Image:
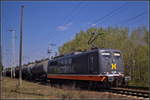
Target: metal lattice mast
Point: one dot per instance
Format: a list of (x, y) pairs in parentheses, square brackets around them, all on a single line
[(13, 50), (50, 49)]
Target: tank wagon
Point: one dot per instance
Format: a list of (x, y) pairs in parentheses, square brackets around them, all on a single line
[(9, 71), (17, 72), (39, 70), (29, 73), (25, 73)]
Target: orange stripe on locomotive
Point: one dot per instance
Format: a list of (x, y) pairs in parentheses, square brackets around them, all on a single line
[(78, 77)]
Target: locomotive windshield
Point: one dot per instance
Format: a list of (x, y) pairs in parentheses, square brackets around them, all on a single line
[(106, 54), (117, 54)]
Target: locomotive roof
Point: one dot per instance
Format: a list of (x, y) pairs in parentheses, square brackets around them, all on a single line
[(81, 53)]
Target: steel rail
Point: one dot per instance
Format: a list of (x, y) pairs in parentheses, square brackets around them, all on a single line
[(131, 92)]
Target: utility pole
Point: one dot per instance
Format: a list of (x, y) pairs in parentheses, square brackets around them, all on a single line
[(1, 65), (20, 50), (13, 51), (0, 50)]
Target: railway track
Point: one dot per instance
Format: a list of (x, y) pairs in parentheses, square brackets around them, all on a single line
[(137, 87), (130, 92)]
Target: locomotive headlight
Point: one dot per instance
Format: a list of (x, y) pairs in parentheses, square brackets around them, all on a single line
[(127, 78), (121, 74), (113, 72)]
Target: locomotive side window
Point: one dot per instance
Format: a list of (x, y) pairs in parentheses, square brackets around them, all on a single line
[(70, 61), (54, 63), (60, 63), (65, 61)]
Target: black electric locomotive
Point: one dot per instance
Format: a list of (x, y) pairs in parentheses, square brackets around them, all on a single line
[(98, 65)]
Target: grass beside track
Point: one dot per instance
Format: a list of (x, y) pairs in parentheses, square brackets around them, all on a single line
[(33, 90)]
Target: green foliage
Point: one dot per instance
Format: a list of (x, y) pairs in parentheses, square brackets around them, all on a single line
[(134, 47)]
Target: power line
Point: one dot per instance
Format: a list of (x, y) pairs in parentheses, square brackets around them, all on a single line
[(74, 12), (110, 14), (74, 9), (134, 17)]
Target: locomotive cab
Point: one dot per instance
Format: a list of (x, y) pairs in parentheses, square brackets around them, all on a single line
[(111, 65), (111, 62)]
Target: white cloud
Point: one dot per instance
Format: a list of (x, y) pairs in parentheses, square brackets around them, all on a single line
[(93, 24), (64, 27), (61, 28)]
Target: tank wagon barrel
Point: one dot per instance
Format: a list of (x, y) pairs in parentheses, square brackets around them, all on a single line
[(39, 70)]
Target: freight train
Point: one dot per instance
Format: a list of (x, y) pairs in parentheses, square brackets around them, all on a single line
[(96, 67)]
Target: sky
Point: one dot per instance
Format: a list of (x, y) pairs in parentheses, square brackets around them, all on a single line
[(56, 22)]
